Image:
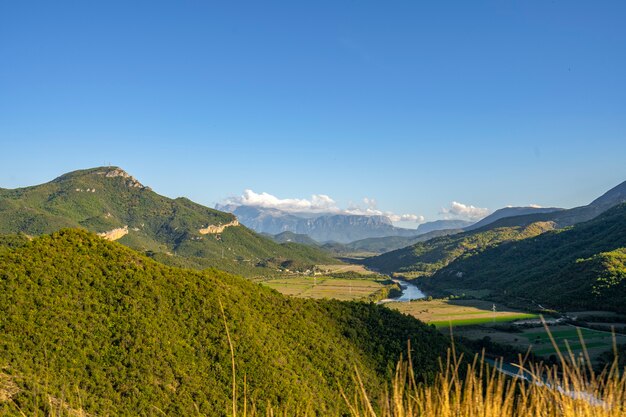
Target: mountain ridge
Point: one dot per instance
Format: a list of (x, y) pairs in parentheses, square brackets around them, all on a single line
[(176, 231), (510, 212), (426, 257), (445, 224), (409, 259), (321, 227), (576, 267), (569, 217)]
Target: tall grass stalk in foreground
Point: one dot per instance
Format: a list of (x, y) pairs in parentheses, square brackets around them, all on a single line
[(477, 389), (460, 389)]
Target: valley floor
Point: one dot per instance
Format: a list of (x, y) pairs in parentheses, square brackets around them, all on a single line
[(327, 287), (456, 313), (477, 318)]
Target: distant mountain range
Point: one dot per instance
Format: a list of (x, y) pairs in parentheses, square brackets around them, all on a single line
[(443, 225), (568, 217), (110, 202), (323, 227), (344, 233), (331, 227)]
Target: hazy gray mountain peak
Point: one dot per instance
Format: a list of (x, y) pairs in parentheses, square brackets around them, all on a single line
[(346, 228), (322, 227), (520, 216), (443, 225), (614, 196)]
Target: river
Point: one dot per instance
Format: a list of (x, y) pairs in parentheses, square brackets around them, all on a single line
[(409, 292)]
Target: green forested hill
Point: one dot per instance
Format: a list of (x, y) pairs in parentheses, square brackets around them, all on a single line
[(175, 231), (425, 258), (579, 267), (90, 324)]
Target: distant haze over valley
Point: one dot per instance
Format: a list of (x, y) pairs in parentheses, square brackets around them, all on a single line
[(322, 227), (322, 220)]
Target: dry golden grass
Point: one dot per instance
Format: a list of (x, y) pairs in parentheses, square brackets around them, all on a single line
[(479, 390), (573, 389), (326, 287), (463, 389), (333, 269), (444, 313)]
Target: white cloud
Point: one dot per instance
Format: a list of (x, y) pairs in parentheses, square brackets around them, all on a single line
[(530, 205), (407, 218), (371, 209), (318, 203), (464, 211)]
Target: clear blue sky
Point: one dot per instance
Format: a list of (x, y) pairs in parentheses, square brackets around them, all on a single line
[(415, 103)]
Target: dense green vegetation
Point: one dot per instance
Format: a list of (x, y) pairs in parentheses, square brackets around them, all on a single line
[(107, 198), (583, 266), (90, 324), (369, 246), (12, 241), (425, 258), (607, 270)]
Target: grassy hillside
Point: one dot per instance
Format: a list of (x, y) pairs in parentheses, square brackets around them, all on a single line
[(579, 267), (91, 325), (425, 258), (106, 199)]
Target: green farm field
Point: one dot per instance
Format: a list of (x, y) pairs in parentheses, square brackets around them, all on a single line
[(445, 313), (342, 268), (327, 287), (476, 320), (596, 342)]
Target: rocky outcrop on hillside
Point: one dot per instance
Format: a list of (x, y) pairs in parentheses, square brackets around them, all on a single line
[(118, 172), (115, 234), (213, 229)]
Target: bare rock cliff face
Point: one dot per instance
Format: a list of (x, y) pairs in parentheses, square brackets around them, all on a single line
[(132, 181), (115, 234), (215, 229), (322, 227)]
